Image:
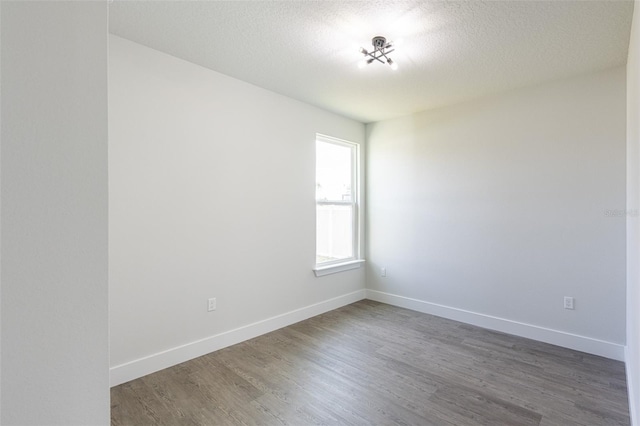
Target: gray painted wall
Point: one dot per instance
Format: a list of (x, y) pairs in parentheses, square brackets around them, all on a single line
[(212, 192), (54, 214), (504, 205), (633, 227)]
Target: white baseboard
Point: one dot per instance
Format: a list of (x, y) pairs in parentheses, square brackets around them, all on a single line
[(634, 393), (555, 337), (141, 367)]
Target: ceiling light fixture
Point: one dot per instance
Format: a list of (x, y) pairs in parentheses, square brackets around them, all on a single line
[(381, 50)]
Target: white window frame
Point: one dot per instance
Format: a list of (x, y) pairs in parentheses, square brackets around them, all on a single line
[(354, 261)]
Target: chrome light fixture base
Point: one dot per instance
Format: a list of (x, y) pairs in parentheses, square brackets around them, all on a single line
[(380, 53)]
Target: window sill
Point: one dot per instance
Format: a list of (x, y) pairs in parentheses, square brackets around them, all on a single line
[(321, 271)]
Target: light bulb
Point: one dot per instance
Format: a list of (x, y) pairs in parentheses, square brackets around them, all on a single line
[(394, 66), (362, 63)]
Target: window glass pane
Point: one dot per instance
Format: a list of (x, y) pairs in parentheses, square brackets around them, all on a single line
[(334, 230), (333, 172)]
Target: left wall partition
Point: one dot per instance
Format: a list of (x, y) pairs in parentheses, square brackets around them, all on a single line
[(54, 314)]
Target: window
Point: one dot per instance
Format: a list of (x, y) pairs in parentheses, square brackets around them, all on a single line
[(337, 215)]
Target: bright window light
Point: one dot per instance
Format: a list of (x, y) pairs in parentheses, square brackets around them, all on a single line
[(336, 201)]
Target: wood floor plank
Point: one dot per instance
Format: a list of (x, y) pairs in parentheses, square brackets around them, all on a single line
[(484, 408), (371, 363)]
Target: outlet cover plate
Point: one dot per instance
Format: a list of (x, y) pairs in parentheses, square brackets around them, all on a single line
[(568, 302), (212, 304)]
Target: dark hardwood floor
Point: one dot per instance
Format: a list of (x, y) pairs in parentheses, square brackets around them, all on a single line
[(371, 363)]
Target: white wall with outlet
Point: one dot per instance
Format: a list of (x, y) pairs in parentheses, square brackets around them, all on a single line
[(503, 206), (212, 195)]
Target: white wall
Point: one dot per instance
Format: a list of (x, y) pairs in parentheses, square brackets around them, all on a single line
[(633, 229), (212, 194), (54, 214), (493, 210), (0, 211)]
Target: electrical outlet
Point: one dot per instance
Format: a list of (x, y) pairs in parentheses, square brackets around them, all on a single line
[(212, 304), (568, 302), (383, 272)]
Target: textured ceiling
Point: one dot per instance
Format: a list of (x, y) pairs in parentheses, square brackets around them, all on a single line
[(447, 51)]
